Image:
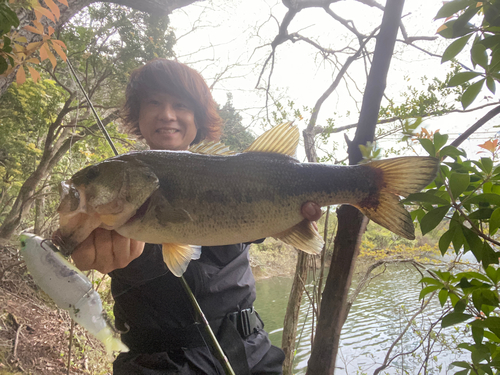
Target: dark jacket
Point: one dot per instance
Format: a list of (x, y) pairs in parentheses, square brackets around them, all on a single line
[(159, 322)]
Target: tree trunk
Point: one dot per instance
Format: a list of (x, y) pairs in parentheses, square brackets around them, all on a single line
[(292, 313), (295, 299), (158, 7), (350, 221), (40, 211)]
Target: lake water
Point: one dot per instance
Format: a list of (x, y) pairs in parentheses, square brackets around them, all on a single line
[(376, 319)]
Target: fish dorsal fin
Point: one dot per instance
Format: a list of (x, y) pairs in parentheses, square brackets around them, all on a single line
[(303, 236), (211, 148), (282, 139), (177, 256)]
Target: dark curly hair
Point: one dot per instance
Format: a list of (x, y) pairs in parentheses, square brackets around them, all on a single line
[(173, 78)]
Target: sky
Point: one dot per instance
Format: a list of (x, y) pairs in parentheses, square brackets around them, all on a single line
[(234, 37)]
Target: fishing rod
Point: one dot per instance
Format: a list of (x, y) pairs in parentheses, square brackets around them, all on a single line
[(222, 357)]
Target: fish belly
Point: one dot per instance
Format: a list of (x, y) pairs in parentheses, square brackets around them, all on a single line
[(242, 198)]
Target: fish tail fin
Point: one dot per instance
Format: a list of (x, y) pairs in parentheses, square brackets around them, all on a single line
[(111, 343), (399, 177)]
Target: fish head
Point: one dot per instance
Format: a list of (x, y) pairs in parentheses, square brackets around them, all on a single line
[(103, 195)]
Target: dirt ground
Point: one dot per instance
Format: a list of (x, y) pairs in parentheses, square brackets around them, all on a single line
[(34, 334)]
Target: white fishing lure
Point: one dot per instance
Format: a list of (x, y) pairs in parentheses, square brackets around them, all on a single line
[(69, 288)]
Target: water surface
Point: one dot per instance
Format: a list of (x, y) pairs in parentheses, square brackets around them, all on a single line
[(376, 319)]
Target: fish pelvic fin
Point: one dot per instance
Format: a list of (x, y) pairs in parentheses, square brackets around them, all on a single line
[(303, 236), (177, 256), (282, 139), (400, 177)]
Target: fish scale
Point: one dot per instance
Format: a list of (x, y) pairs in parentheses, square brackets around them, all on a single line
[(180, 198)]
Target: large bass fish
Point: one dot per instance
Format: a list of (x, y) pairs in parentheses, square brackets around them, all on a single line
[(183, 198)]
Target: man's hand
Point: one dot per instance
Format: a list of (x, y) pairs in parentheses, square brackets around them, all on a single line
[(106, 251), (311, 211)]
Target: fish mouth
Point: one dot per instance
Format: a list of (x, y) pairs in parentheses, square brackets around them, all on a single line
[(141, 211)]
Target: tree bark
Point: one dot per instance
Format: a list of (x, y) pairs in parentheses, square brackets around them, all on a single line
[(351, 222), (292, 313), (158, 7)]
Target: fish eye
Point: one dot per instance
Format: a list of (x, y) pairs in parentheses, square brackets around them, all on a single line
[(93, 172)]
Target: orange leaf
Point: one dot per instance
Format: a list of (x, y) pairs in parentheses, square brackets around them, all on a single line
[(34, 60), (441, 28), (65, 2), (43, 52), (33, 30), (20, 75), (39, 26), (33, 46), (50, 56), (490, 145), (34, 74), (60, 42), (47, 13), (59, 50), (50, 30), (53, 8)]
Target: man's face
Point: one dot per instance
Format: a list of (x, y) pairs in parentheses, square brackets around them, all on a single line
[(166, 122)]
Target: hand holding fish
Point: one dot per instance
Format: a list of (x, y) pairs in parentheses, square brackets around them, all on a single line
[(106, 250)]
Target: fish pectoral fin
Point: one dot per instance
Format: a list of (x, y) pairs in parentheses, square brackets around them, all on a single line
[(303, 236), (282, 139), (165, 213), (177, 256)]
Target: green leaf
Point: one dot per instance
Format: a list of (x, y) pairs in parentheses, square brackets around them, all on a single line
[(440, 140), (417, 214), (478, 334), (443, 296), (451, 151), (454, 318), (484, 297), (427, 197), (428, 146), (493, 324), (489, 256), (427, 290), (489, 198), (490, 83), (450, 8), (495, 221), (458, 183), (471, 93), (433, 218), (462, 77), (460, 306), (474, 242), (455, 48), (481, 214), (479, 55), (462, 364), (487, 165), (445, 240), (432, 281)]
